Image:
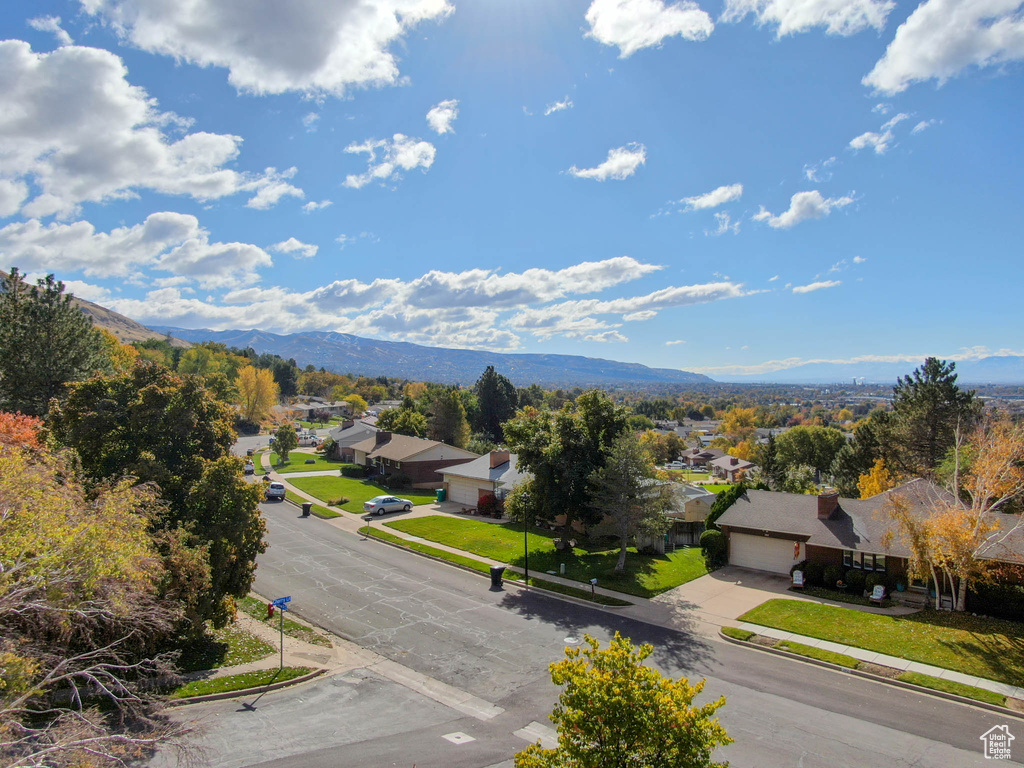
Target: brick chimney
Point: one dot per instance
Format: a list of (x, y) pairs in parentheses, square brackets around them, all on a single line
[(827, 504), (382, 437), (498, 458), (734, 461), (347, 423)]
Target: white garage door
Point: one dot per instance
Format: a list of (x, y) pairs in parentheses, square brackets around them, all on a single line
[(761, 553), (463, 491)]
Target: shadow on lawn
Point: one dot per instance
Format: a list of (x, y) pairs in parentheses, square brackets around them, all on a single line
[(1004, 659), (673, 648)]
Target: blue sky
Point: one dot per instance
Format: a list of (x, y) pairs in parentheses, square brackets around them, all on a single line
[(728, 188)]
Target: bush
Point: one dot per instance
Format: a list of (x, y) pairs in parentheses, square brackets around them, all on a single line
[(326, 447), (855, 579), (714, 546), (338, 501), (801, 566), (833, 573), (246, 427), (353, 470), (490, 506), (1003, 601), (873, 580), (395, 480), (814, 574)]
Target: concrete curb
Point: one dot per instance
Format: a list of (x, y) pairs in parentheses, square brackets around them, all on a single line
[(510, 582), (876, 678), (246, 691)]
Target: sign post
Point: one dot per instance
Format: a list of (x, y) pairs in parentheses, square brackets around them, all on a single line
[(282, 606)]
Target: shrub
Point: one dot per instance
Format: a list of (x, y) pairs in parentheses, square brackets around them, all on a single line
[(353, 470), (1004, 601), (814, 573), (490, 505), (338, 501), (873, 580), (326, 447), (395, 480), (833, 573), (855, 579), (801, 566), (714, 546), (246, 426)]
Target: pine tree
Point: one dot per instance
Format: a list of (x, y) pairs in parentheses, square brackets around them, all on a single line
[(45, 343), (498, 399), (448, 418)]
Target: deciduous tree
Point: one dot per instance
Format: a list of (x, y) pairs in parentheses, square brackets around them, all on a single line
[(403, 421), (626, 491), (877, 480), (285, 441), (257, 392), (616, 712)]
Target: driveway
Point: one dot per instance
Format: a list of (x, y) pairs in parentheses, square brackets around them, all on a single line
[(719, 598)]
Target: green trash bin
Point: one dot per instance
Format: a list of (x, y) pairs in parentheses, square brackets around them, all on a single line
[(441, 495)]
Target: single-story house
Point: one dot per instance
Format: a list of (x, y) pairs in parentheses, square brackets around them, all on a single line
[(700, 457), (420, 459), (494, 473), (348, 434), (731, 468), (688, 513), (773, 531)]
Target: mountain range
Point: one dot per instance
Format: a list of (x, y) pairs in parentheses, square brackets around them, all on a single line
[(995, 369), (344, 353)]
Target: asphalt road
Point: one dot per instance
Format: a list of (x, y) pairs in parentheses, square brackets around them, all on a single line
[(497, 645)]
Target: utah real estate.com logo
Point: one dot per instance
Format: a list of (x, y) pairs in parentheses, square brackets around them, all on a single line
[(997, 743)]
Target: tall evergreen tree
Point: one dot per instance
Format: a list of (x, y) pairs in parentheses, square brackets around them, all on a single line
[(928, 408), (498, 400), (447, 421), (45, 343)]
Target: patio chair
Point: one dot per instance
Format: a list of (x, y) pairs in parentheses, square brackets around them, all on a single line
[(798, 580), (878, 594)]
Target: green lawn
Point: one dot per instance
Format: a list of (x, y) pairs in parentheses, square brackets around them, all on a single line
[(238, 682), (355, 490), (949, 686), (478, 565), (297, 463), (317, 509), (321, 424), (222, 648), (257, 609), (988, 648), (839, 659), (644, 576), (716, 487)]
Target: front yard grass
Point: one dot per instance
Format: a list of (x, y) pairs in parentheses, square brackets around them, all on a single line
[(257, 609), (355, 490), (839, 659), (222, 648), (987, 648), (645, 575), (319, 511), (478, 565), (297, 462), (238, 682)]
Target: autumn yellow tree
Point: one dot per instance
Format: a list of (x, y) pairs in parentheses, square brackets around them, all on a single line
[(877, 480), (257, 391), (958, 538), (415, 389), (742, 450), (356, 404), (121, 357), (739, 423)]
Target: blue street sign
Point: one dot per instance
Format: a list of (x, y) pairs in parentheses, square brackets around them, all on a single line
[(281, 602)]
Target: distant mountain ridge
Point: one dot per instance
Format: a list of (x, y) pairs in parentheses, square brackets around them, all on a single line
[(344, 353), (995, 369)]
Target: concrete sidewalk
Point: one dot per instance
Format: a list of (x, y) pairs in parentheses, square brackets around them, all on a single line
[(885, 660)]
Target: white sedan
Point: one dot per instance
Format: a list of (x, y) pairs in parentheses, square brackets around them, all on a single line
[(378, 505)]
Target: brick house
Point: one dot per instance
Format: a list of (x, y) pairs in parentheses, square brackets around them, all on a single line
[(420, 459)]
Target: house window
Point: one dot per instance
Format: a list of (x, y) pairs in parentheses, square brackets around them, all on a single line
[(847, 559), (857, 563), (880, 563)]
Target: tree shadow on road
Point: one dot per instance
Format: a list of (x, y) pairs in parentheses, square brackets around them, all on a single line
[(676, 647)]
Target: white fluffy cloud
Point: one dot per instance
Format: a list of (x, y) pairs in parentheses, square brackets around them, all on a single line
[(880, 142), (941, 38), (634, 24), (442, 115), (838, 17), (621, 163), (52, 25), (166, 241), (274, 47), (802, 206), (271, 187), (714, 198), (75, 127), (816, 286), (312, 205), (400, 153), (558, 106), (296, 248)]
